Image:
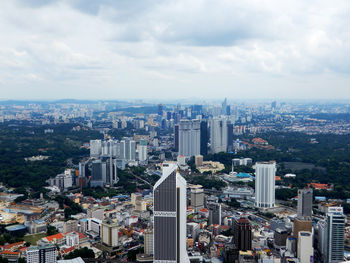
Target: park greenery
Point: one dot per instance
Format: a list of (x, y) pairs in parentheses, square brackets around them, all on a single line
[(326, 161), (19, 141)]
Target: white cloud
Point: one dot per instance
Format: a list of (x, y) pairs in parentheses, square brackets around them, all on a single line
[(115, 49)]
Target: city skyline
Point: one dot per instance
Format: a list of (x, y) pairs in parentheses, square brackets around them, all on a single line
[(170, 49)]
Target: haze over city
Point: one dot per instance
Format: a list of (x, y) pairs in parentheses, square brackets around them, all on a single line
[(174, 49)]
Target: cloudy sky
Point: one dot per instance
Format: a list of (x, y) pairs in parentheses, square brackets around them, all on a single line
[(113, 49)]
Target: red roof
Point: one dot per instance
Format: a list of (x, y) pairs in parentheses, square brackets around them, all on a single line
[(6, 247), (9, 252), (67, 250), (57, 237), (320, 186)]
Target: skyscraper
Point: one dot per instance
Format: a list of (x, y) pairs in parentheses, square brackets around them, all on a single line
[(95, 148), (169, 198), (160, 109), (142, 150), (335, 220), (204, 138), (176, 137), (229, 137), (223, 107), (128, 149), (243, 234), (189, 138), (214, 213), (305, 202), (96, 173), (218, 135), (265, 184)]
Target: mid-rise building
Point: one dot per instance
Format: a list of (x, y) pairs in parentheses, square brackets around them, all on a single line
[(148, 241), (72, 239), (301, 224), (197, 199), (70, 226), (62, 181), (41, 254), (243, 234), (305, 249), (96, 212), (265, 184), (169, 197), (109, 233)]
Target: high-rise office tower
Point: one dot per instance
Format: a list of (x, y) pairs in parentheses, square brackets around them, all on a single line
[(229, 137), (214, 213), (228, 110), (304, 202), (142, 150), (95, 148), (97, 179), (218, 135), (335, 221), (128, 149), (197, 199), (176, 137), (160, 109), (243, 234), (111, 171), (189, 138), (265, 184), (204, 138), (305, 249), (223, 107), (169, 198)]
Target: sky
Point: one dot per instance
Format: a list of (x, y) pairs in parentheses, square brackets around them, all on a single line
[(124, 49)]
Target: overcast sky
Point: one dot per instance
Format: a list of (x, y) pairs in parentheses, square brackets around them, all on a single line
[(115, 49)]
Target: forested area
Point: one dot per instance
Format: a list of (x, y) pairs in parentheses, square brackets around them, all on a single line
[(20, 141), (328, 160)]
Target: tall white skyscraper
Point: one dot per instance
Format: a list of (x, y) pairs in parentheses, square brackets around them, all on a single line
[(218, 135), (169, 198), (142, 150), (95, 148), (265, 184), (128, 149), (189, 138)]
